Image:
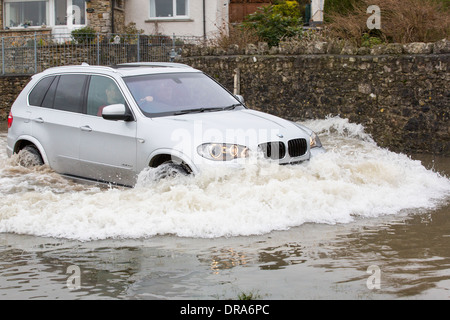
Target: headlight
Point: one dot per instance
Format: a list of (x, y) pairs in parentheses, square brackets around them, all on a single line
[(222, 151), (314, 141)]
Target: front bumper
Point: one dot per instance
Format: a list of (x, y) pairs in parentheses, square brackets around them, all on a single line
[(202, 164)]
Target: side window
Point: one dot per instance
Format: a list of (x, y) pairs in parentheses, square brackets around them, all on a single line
[(103, 91), (39, 91), (50, 95), (69, 93)]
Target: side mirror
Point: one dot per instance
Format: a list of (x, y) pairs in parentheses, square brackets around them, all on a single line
[(240, 98), (116, 112)]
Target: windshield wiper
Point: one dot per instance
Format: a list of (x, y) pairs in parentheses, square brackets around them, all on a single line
[(198, 110), (232, 106)]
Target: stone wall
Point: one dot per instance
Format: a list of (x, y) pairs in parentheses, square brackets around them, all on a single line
[(24, 33), (10, 87)]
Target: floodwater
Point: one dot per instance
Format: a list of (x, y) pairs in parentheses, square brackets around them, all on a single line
[(358, 222)]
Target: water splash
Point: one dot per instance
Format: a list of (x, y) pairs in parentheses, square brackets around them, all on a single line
[(355, 179)]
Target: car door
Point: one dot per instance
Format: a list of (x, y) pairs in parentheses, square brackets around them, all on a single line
[(107, 147), (55, 124)]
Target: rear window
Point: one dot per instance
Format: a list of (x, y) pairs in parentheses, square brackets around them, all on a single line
[(50, 95), (63, 92), (39, 91)]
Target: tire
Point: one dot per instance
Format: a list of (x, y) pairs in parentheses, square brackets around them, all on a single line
[(170, 169), (29, 156)]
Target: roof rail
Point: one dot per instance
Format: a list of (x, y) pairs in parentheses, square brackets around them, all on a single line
[(151, 65), (82, 65)]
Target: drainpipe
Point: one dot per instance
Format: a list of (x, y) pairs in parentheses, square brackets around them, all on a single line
[(204, 19), (112, 16)]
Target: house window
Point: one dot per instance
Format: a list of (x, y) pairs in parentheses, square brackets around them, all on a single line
[(75, 9), (35, 13), (168, 8), (119, 4), (26, 13)]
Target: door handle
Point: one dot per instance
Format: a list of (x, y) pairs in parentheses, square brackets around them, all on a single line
[(38, 120), (86, 128)]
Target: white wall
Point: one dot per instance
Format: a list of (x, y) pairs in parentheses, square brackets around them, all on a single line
[(138, 11)]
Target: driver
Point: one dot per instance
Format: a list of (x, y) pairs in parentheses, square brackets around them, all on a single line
[(156, 98)]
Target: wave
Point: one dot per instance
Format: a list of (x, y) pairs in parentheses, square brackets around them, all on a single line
[(354, 179)]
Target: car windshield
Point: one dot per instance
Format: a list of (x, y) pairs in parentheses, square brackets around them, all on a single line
[(179, 93)]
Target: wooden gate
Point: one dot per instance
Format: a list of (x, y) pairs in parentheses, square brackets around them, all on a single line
[(239, 9)]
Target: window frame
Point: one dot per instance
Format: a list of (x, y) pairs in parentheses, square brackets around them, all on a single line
[(124, 96), (53, 15), (84, 93), (50, 14), (174, 12), (82, 99), (21, 26), (53, 78), (88, 87), (126, 80)]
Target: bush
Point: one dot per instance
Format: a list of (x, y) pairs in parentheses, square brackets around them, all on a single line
[(401, 21), (84, 35), (370, 40), (275, 22), (239, 35), (414, 20), (340, 6)]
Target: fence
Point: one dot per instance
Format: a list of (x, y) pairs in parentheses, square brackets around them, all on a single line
[(35, 53)]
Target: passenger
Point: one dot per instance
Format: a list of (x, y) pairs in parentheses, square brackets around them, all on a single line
[(113, 96)]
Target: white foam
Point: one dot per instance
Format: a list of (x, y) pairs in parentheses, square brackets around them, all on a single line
[(355, 179)]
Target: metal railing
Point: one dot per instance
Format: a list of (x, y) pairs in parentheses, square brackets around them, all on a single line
[(35, 53)]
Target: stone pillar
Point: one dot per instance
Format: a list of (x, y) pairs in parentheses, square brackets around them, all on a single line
[(99, 15), (119, 16), (1, 15), (317, 11)]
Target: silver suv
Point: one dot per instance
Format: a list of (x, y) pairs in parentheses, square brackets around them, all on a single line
[(107, 124)]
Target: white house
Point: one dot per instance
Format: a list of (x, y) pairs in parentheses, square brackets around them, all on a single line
[(179, 17)]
